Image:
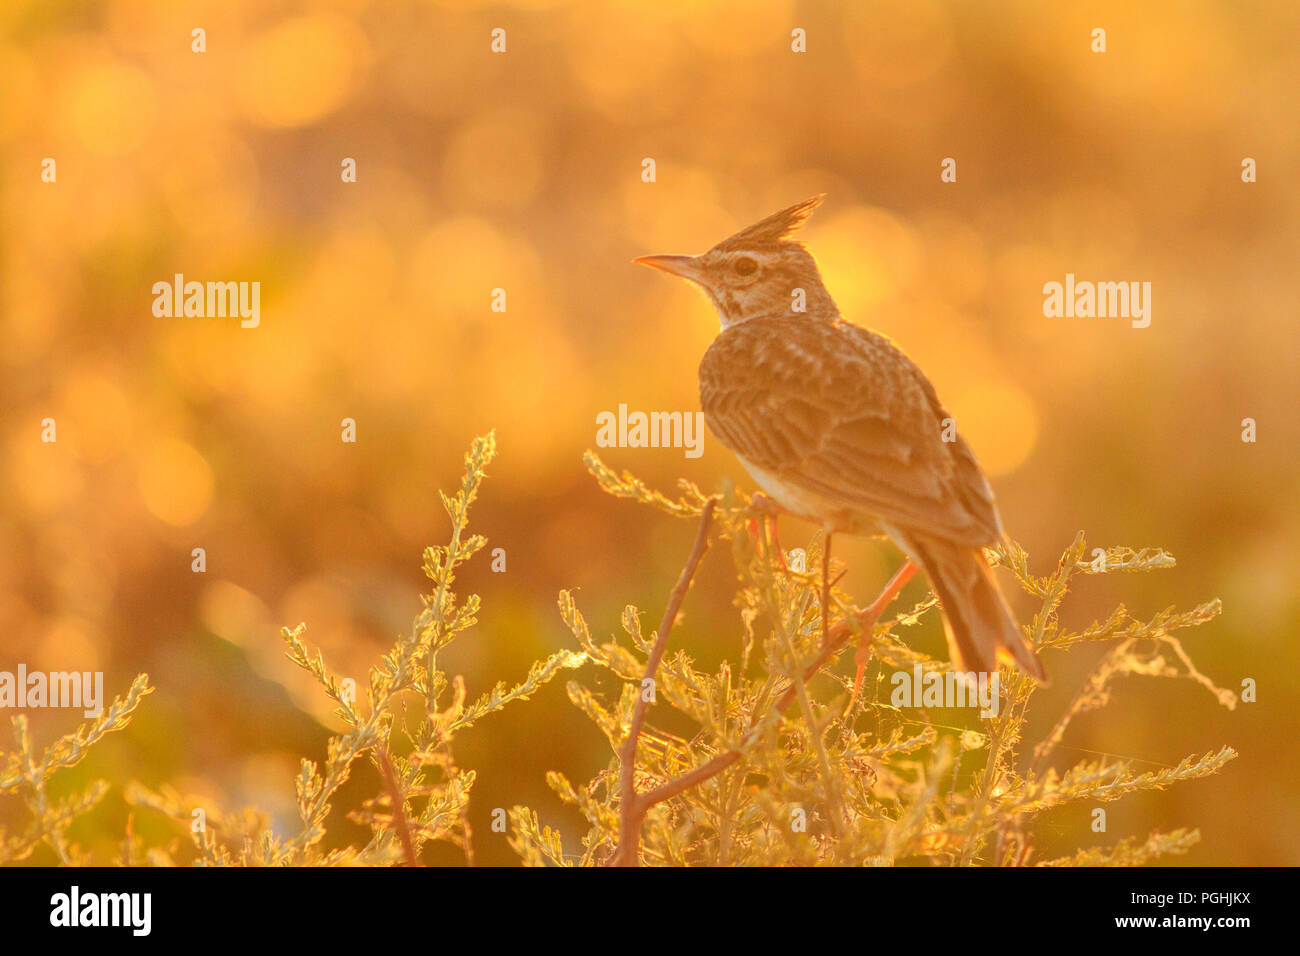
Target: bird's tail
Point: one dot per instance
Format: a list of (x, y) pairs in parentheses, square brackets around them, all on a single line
[(976, 619)]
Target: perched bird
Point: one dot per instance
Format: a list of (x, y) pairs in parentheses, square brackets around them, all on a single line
[(839, 427)]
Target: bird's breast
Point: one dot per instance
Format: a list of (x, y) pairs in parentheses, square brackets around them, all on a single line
[(788, 496), (811, 506)]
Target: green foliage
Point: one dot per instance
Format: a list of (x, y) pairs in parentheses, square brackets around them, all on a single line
[(425, 795), (880, 784), (778, 770), (405, 732), (26, 774)]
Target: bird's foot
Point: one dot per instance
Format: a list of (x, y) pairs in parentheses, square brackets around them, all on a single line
[(766, 511)]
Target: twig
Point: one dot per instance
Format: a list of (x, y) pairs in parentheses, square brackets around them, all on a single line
[(800, 684), (683, 783), (399, 813), (467, 833), (837, 637), (634, 808)]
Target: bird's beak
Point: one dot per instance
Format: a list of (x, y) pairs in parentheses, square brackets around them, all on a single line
[(684, 266)]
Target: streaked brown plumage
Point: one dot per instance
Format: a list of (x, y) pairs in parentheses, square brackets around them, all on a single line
[(838, 426)]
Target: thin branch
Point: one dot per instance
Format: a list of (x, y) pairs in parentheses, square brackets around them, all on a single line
[(837, 637), (683, 783), (633, 808), (398, 811)]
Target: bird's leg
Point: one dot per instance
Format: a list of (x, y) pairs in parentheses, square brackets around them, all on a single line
[(775, 527), (869, 618), (767, 511)]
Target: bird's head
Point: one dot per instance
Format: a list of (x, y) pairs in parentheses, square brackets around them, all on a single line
[(759, 272)]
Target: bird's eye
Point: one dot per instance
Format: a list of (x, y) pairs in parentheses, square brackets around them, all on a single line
[(745, 266)]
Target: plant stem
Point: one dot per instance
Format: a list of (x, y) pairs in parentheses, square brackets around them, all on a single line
[(632, 807)]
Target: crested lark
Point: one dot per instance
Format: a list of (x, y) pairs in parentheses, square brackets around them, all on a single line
[(839, 427)]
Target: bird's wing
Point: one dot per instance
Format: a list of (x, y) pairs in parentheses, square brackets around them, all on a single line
[(839, 411)]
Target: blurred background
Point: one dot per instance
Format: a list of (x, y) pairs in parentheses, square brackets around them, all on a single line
[(522, 171)]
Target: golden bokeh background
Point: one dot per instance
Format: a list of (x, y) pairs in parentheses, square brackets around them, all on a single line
[(522, 171)]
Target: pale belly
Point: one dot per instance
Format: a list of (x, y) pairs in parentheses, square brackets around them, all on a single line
[(813, 507)]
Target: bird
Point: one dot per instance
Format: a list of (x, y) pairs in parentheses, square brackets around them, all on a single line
[(837, 426)]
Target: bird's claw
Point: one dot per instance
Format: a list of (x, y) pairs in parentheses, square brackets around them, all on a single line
[(765, 510)]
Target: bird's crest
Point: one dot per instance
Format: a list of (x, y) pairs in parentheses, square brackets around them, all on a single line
[(777, 227)]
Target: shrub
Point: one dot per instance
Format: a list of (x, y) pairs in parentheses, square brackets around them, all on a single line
[(778, 771)]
